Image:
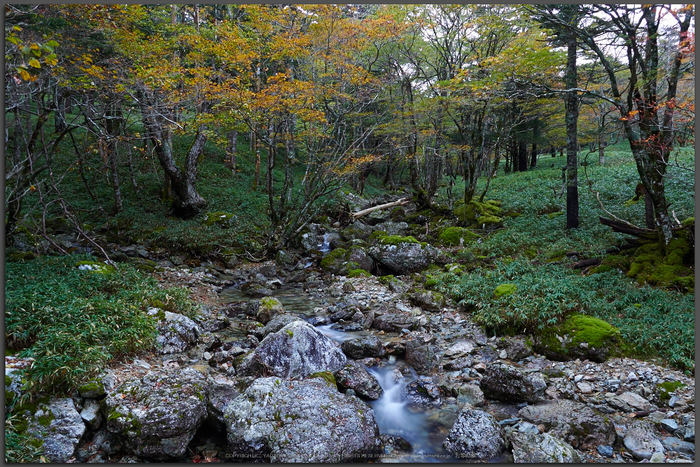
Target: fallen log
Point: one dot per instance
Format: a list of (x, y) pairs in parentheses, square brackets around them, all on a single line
[(629, 229), (364, 212), (587, 262)]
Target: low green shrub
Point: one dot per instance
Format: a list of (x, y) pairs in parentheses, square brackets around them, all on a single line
[(73, 321), (653, 322)]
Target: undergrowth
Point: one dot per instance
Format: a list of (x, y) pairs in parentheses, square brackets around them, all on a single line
[(73, 322), (653, 322)]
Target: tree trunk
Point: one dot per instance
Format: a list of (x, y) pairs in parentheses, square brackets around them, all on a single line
[(533, 156), (601, 152), (187, 202), (232, 149), (571, 118), (522, 156)]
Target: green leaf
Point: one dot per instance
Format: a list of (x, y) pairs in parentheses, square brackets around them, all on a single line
[(34, 63)]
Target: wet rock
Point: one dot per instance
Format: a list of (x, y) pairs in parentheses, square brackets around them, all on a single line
[(220, 391), (475, 435), (574, 422), (669, 425), (363, 347), (158, 414), (269, 307), (470, 394), (421, 356), (423, 392), (59, 427), (391, 443), (641, 441), (354, 376), (296, 350), (176, 332), (428, 300), (405, 258), (541, 449), (509, 384), (674, 444), (299, 421), (257, 291)]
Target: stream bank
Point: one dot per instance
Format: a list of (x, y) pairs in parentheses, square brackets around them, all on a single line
[(439, 375)]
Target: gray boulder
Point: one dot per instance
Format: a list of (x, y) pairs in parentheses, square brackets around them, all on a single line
[(299, 421), (475, 435), (541, 449), (58, 426), (176, 332), (394, 322), (641, 441), (357, 254), (354, 376), (363, 347), (91, 414), (275, 324), (674, 444), (158, 415), (295, 351), (423, 392), (470, 394), (627, 401), (516, 348), (428, 300), (405, 257), (220, 391), (509, 384), (393, 228), (574, 422)]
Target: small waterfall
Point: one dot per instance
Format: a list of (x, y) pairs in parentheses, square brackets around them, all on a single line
[(325, 246)]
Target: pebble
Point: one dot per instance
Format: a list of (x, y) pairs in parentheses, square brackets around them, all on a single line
[(605, 451)]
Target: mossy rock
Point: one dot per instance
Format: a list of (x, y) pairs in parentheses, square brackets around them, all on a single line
[(469, 214), (504, 289), (397, 239), (489, 220), (96, 268), (580, 336), (220, 218), (325, 375), (457, 236), (92, 390), (650, 265), (17, 256), (666, 388), (358, 273)]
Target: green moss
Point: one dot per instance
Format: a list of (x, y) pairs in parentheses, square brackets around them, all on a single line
[(325, 375), (269, 302), (688, 222), (472, 212), (504, 289), (488, 220), (580, 336), (531, 252), (332, 258), (358, 273), (454, 236), (223, 219), (97, 268), (290, 332), (666, 388), (8, 380)]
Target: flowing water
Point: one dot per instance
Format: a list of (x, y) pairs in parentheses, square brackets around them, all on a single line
[(424, 428)]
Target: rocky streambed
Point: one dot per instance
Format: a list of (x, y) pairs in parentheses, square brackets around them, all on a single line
[(293, 364)]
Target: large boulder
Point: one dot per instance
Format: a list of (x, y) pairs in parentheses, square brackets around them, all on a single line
[(295, 351), (574, 422), (176, 332), (579, 336), (363, 347), (404, 255), (277, 420), (354, 376), (220, 391), (427, 300), (58, 426), (158, 414), (395, 322), (475, 435), (541, 449), (358, 255), (509, 384), (269, 307), (275, 324)]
